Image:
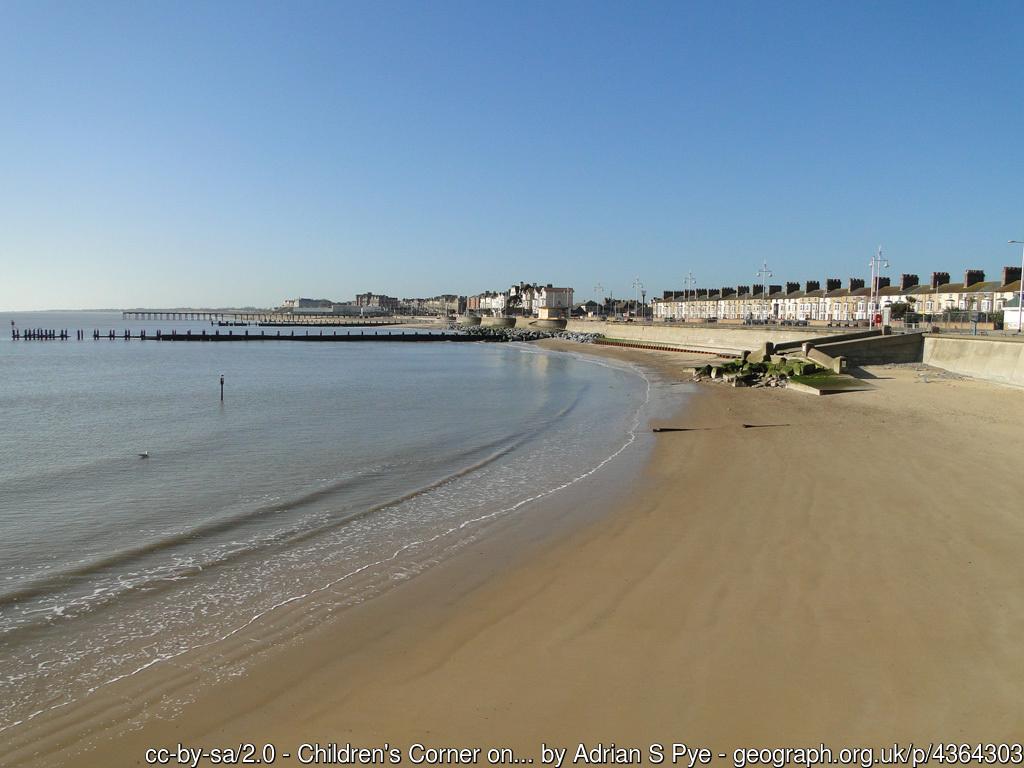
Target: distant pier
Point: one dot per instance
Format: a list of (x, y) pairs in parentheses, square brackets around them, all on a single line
[(234, 317)]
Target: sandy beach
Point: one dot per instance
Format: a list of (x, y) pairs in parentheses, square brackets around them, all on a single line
[(846, 570)]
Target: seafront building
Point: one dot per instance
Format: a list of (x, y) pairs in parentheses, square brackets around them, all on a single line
[(377, 304), (836, 303), (527, 299)]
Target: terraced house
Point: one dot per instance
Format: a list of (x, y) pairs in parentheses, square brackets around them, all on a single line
[(837, 304)]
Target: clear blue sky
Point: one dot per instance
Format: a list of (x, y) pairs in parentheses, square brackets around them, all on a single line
[(220, 153)]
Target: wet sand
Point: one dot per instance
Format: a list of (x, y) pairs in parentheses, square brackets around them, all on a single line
[(847, 571)]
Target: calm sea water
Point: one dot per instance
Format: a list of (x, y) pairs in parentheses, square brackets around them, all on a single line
[(329, 469)]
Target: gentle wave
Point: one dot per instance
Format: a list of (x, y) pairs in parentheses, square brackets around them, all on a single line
[(55, 582)]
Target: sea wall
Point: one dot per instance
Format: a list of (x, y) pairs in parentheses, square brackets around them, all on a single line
[(537, 324), (724, 338), (876, 350), (497, 322), (998, 360)]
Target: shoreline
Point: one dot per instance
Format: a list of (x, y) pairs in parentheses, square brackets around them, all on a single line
[(828, 580)]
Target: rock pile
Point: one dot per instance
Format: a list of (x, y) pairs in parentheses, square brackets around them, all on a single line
[(528, 334), (743, 373)]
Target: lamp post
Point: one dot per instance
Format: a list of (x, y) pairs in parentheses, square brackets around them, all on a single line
[(878, 263), (599, 291), (637, 287), (1020, 293), (764, 273), (689, 283)]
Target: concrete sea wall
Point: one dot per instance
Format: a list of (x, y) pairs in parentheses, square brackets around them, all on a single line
[(707, 336), (997, 360)]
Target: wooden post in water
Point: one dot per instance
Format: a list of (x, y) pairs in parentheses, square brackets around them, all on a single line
[(222, 387)]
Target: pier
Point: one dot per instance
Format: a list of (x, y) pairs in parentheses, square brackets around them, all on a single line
[(260, 317)]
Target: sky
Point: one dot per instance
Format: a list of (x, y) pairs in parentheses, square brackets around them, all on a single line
[(166, 154)]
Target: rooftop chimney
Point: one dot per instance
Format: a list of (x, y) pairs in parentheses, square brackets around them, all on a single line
[(972, 276), (812, 285), (907, 281), (939, 278), (702, 292), (883, 282), (742, 290), (792, 287), (758, 289), (727, 291), (714, 292), (833, 284), (1011, 275), (774, 288), (856, 282)]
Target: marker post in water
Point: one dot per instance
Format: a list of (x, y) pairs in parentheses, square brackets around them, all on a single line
[(222, 387)]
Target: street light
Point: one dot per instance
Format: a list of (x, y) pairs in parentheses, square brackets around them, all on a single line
[(689, 283), (599, 291), (764, 273), (637, 287), (1020, 294), (878, 263)]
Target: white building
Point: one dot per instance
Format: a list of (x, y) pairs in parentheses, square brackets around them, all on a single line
[(494, 302), (540, 300), (550, 300)]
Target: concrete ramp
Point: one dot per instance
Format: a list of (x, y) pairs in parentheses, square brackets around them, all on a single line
[(827, 385)]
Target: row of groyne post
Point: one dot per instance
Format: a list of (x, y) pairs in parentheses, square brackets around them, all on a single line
[(216, 335), (43, 334)]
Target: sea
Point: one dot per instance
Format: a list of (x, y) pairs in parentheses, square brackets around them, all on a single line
[(329, 472)]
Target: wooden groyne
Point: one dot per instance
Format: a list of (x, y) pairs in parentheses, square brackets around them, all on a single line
[(231, 335), (335, 336)]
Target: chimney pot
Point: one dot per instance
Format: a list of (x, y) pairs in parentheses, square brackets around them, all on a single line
[(972, 276)]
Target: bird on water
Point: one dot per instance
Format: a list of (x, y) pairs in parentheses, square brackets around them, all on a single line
[(144, 455)]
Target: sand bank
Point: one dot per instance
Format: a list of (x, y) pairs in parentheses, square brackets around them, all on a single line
[(849, 573)]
